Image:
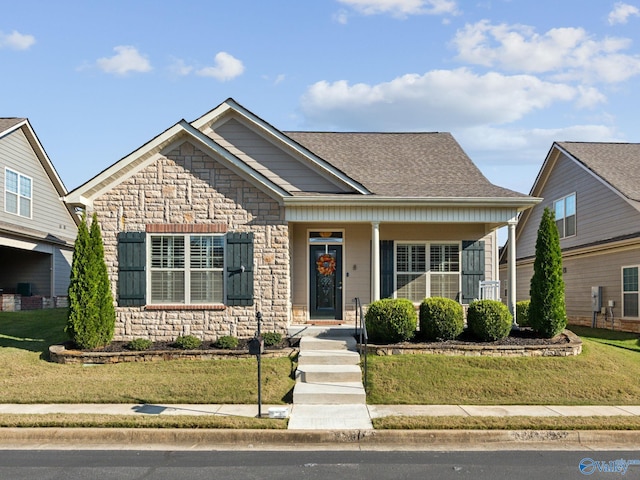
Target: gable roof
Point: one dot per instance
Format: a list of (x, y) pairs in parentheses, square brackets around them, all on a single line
[(617, 164), (404, 164), (7, 123)]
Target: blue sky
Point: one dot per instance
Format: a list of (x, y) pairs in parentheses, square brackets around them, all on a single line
[(97, 79)]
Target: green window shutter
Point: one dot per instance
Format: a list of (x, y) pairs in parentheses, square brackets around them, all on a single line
[(132, 280), (472, 270), (239, 269), (386, 268)]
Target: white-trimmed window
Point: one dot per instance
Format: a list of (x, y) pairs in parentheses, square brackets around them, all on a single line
[(427, 270), (17, 193), (630, 292), (565, 212), (186, 269)]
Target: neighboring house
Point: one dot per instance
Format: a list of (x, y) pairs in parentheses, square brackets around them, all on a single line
[(214, 220), (594, 190), (37, 231)]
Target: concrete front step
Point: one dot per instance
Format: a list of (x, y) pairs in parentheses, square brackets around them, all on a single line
[(300, 331), (328, 373), (329, 393), (328, 357), (314, 343)]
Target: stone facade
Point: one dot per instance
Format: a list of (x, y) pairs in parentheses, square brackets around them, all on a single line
[(186, 187)]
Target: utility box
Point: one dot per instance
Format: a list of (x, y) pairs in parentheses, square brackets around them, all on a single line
[(596, 299)]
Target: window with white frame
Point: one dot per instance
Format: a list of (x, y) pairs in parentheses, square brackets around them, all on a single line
[(427, 270), (630, 291), (17, 193), (186, 269), (565, 213)]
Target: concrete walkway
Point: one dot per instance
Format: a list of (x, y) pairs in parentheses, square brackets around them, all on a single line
[(373, 411)]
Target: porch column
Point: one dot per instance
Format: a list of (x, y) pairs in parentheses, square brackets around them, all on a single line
[(512, 270), (375, 263)]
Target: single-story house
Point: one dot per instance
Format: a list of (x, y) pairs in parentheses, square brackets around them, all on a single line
[(37, 230), (216, 219), (594, 190)]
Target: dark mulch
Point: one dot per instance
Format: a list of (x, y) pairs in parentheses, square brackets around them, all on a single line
[(243, 346)]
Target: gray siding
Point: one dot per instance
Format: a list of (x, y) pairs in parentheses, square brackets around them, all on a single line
[(49, 215), (274, 163), (61, 271), (601, 213)]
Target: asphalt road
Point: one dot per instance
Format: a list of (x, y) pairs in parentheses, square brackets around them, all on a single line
[(310, 465)]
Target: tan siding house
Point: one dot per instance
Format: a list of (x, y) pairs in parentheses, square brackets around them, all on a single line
[(214, 220), (594, 190), (37, 230)]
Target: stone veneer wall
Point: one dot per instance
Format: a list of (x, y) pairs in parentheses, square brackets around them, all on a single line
[(188, 187)]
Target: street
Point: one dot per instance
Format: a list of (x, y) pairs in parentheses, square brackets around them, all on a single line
[(267, 465)]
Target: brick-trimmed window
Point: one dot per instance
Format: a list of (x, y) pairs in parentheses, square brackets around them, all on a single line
[(17, 193), (186, 269)]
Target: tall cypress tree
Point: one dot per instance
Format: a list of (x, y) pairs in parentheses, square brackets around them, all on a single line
[(547, 312), (106, 314), (91, 319)]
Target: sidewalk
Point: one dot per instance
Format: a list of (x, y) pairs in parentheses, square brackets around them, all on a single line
[(375, 411)]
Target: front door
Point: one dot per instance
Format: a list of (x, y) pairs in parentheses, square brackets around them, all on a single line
[(325, 269)]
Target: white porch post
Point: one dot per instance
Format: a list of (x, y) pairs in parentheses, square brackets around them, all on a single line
[(375, 261), (512, 270)]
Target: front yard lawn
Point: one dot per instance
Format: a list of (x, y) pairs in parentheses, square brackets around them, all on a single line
[(605, 373), (27, 376)]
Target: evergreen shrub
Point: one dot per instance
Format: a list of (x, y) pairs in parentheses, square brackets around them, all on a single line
[(391, 320), (522, 313), (441, 318), (139, 344), (227, 342), (272, 339), (187, 342), (489, 320)]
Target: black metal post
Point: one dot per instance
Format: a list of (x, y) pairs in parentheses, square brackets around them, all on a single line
[(259, 317)]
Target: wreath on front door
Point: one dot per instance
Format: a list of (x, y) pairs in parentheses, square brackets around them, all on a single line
[(326, 264)]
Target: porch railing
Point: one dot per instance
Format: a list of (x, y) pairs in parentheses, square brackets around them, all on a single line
[(361, 334), (489, 290)]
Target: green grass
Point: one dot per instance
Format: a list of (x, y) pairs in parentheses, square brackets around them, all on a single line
[(507, 423), (28, 376), (605, 373)]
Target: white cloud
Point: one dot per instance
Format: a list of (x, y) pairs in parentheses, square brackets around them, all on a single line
[(16, 40), (180, 68), (621, 13), (439, 99), (564, 53), (402, 8), (126, 60), (226, 67)]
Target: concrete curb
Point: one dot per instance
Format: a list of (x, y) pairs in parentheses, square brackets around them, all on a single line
[(195, 439)]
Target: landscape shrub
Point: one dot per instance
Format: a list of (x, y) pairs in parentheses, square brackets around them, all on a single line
[(271, 339), (522, 313), (391, 320), (139, 344), (489, 320), (187, 342), (441, 318), (547, 312), (227, 342)]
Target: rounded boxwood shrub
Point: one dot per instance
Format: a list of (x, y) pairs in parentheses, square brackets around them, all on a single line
[(187, 342), (489, 320), (139, 344), (522, 313), (391, 320), (441, 318), (227, 342), (271, 338)]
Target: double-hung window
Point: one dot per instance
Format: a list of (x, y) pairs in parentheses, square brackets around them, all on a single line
[(186, 269), (427, 270), (18, 193), (565, 212), (630, 292)]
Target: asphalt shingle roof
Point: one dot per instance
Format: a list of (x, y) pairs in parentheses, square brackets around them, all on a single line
[(403, 164), (618, 164), (7, 123)]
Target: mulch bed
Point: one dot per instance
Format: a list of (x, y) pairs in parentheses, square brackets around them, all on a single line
[(243, 346)]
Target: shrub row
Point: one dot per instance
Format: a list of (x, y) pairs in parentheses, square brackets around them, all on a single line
[(190, 342), (394, 320)]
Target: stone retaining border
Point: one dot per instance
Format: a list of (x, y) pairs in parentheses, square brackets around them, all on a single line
[(59, 354), (571, 348)]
